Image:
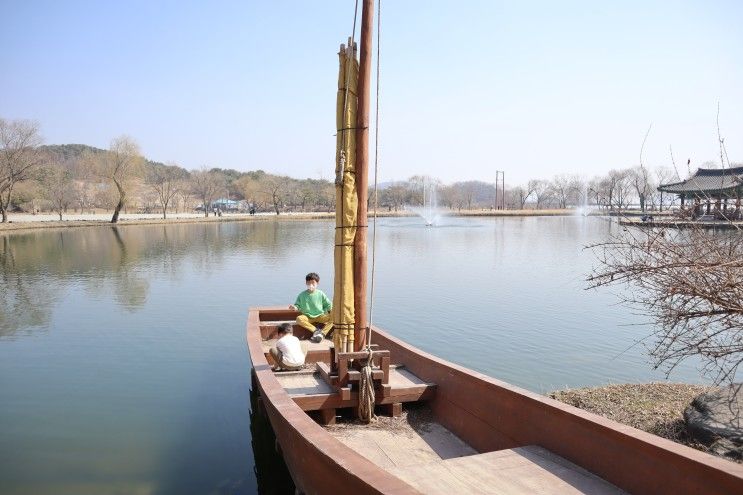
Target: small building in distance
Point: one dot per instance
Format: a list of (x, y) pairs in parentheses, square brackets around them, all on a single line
[(225, 204), (711, 192)]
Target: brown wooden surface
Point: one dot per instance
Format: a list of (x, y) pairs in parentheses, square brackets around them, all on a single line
[(311, 391), (305, 440), (327, 416), (492, 415), (489, 415), (406, 445), (362, 174), (523, 470)]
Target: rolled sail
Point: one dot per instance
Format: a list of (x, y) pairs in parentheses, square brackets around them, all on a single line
[(345, 199)]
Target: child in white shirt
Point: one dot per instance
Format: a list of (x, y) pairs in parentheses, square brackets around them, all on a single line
[(288, 352)]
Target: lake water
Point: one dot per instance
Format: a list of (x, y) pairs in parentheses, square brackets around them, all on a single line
[(123, 363)]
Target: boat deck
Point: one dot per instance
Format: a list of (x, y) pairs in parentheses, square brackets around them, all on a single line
[(531, 469), (311, 391), (402, 446), (423, 453)]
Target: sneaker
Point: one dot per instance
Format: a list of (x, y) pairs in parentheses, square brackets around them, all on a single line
[(317, 336)]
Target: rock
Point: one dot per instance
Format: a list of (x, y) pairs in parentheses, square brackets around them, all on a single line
[(714, 419)]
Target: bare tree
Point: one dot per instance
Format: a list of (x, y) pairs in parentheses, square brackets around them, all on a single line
[(275, 188), (695, 301), (521, 195), (205, 184), (542, 192), (561, 188), (639, 178), (19, 156), (165, 182), (526, 193), (56, 182), (184, 193), (120, 164)]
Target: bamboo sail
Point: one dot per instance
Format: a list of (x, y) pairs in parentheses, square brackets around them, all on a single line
[(346, 202)]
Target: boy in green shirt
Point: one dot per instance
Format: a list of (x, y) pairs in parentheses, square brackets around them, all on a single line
[(315, 308)]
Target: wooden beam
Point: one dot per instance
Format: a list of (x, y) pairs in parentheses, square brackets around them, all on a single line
[(315, 402), (394, 410), (362, 175)]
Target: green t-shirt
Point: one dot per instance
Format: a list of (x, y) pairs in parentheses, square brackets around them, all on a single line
[(313, 304)]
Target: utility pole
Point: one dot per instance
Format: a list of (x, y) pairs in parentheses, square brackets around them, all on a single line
[(500, 190)]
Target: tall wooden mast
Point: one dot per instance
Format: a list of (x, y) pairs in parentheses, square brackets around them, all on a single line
[(362, 173)]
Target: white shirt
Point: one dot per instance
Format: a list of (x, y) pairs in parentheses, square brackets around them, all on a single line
[(291, 350)]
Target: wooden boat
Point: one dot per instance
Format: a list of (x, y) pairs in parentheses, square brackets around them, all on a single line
[(480, 435), (519, 441)]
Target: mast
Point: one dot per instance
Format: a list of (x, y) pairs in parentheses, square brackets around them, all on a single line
[(362, 173)]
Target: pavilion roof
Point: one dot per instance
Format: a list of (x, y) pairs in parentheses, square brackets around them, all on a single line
[(708, 180)]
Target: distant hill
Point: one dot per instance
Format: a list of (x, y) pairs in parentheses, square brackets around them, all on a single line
[(69, 152), (66, 152)]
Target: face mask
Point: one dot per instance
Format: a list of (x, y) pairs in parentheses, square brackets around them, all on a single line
[(311, 287)]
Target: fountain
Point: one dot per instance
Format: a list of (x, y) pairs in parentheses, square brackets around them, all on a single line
[(429, 211), (584, 210)]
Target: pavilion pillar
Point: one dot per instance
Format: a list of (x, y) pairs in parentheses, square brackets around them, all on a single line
[(709, 205), (682, 200)]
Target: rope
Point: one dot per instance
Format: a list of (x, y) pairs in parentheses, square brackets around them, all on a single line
[(376, 176), (366, 390), (366, 384)]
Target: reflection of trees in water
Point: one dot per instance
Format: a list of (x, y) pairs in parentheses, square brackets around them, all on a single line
[(122, 260), (25, 302)]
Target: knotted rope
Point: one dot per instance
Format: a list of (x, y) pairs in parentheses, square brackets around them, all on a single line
[(366, 390)]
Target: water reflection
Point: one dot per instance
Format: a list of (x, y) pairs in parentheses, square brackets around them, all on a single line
[(25, 301), (271, 473), (123, 365), (120, 261)]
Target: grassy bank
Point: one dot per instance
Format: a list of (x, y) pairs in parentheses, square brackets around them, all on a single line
[(656, 408)]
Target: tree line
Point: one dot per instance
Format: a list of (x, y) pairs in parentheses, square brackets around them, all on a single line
[(84, 179), (80, 178)]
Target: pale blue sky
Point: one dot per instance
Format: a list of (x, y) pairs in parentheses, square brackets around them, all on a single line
[(532, 88)]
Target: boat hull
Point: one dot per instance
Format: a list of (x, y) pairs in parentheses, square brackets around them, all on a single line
[(489, 415)]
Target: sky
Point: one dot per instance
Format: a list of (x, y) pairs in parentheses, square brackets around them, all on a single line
[(534, 89)]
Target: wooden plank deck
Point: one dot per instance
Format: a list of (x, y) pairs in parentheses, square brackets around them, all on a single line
[(403, 446), (524, 470), (311, 392)]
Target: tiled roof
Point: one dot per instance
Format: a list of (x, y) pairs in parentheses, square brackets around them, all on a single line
[(708, 180)]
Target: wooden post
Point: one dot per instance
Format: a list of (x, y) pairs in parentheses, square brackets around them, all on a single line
[(394, 409), (362, 174), (327, 416)]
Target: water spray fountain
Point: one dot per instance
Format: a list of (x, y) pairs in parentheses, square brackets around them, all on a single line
[(584, 209), (429, 211)]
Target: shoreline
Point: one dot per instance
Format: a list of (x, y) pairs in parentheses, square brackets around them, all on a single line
[(25, 222), (655, 407)]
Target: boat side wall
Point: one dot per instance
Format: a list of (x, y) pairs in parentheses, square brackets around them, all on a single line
[(319, 463), (493, 415)]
